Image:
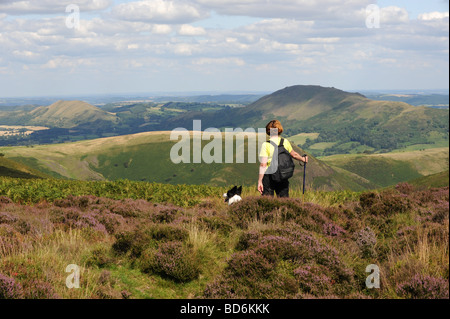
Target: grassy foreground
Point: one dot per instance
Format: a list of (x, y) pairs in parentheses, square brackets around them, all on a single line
[(143, 240)]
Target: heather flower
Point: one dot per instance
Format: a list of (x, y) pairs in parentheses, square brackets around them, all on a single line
[(366, 241), (404, 188), (249, 265), (333, 230), (5, 200), (313, 280), (175, 261), (220, 288), (9, 289), (424, 287), (6, 218), (40, 290)]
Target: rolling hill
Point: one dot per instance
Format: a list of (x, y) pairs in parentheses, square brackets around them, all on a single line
[(435, 180), (10, 168), (68, 114), (340, 122), (391, 168), (146, 157), (345, 121), (61, 114)]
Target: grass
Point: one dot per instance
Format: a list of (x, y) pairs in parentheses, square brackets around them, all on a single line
[(322, 146), (391, 168), (300, 139), (435, 180), (12, 168)]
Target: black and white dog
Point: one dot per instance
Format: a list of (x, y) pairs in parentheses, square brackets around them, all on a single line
[(233, 195)]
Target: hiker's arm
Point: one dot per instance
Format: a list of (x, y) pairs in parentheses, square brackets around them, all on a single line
[(297, 156), (262, 170)]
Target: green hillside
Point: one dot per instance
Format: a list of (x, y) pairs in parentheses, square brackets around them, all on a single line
[(68, 114), (10, 168), (146, 157), (345, 121), (333, 121), (61, 114), (436, 180), (391, 168)]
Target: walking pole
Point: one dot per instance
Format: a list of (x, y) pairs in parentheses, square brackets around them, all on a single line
[(304, 179)]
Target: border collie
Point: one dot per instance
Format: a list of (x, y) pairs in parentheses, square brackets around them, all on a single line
[(233, 195)]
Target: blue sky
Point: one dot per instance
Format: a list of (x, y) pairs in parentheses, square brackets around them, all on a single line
[(221, 46)]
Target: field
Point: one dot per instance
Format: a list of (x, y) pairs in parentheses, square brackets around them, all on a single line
[(137, 240), (8, 130), (300, 139), (391, 168)]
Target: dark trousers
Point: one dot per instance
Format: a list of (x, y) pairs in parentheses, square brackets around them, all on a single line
[(271, 187)]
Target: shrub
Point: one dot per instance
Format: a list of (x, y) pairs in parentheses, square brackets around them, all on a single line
[(165, 215), (220, 288), (99, 257), (167, 232), (424, 287), (38, 289), (5, 200), (404, 188), (111, 221), (384, 204), (333, 230), (366, 241), (9, 288), (249, 265), (269, 210), (7, 218), (10, 240), (134, 242), (313, 280), (176, 261), (217, 224)]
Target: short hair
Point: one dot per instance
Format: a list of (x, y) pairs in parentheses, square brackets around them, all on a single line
[(274, 124)]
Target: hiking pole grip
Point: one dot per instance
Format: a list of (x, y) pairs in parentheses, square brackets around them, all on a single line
[(304, 174)]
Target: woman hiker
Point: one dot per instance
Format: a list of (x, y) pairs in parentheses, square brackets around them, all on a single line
[(266, 184)]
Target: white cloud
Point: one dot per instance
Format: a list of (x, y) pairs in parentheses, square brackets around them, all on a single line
[(189, 30), (160, 11), (433, 16), (21, 7), (219, 61), (393, 15), (295, 9), (162, 37)]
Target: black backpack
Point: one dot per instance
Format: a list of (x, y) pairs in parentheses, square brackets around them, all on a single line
[(286, 164)]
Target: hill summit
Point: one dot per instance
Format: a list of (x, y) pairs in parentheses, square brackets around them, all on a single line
[(68, 114), (303, 101)]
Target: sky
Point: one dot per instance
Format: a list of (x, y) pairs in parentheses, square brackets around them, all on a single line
[(79, 47)]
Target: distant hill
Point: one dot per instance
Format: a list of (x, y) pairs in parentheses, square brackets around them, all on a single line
[(324, 121), (438, 101), (146, 157), (61, 114), (68, 114), (343, 120), (10, 168)]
